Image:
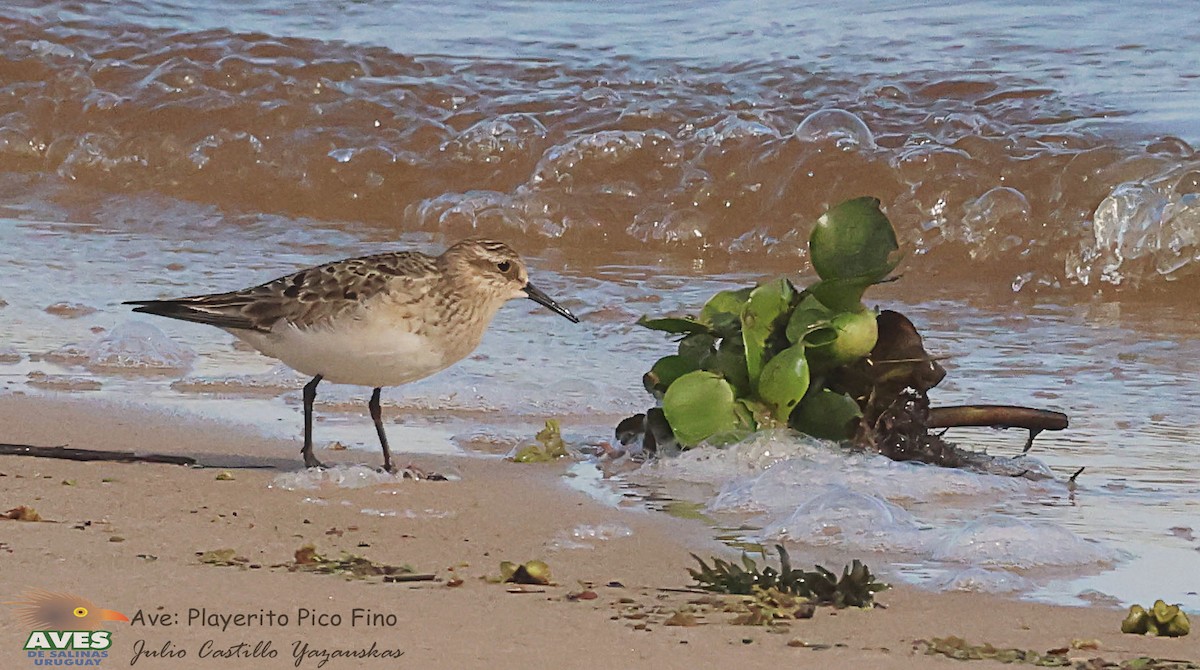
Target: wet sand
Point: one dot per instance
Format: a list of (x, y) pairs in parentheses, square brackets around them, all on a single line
[(164, 515)]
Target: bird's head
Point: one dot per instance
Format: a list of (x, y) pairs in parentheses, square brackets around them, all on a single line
[(43, 610), (492, 268)]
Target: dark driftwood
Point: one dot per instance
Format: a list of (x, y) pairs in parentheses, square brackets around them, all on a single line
[(409, 578), (998, 416), (70, 454)]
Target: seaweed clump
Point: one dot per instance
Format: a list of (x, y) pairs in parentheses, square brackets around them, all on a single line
[(855, 588)]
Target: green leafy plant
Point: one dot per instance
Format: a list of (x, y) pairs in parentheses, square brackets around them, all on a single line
[(817, 360), (761, 356), (855, 588)]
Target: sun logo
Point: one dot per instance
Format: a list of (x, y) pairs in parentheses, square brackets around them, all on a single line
[(64, 622)]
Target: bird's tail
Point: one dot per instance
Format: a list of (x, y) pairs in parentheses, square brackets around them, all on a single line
[(190, 309)]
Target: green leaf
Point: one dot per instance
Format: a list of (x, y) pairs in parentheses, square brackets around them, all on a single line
[(730, 363), (723, 311), (809, 316), (769, 303), (842, 295), (853, 240), (700, 405), (827, 415), (698, 347), (666, 371), (784, 381), (857, 333), (759, 413), (673, 324), (745, 410)]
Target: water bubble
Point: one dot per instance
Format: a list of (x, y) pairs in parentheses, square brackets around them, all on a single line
[(1011, 542), (490, 140), (999, 209), (138, 346), (843, 128), (849, 519), (340, 476), (1123, 225), (585, 536), (733, 127), (1179, 238), (342, 155), (750, 457), (597, 157), (984, 580), (600, 94), (47, 48), (369, 511), (466, 213), (279, 379), (226, 148)]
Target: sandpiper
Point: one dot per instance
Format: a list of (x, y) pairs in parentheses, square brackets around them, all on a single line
[(380, 320)]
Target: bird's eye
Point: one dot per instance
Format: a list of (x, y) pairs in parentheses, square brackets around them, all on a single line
[(80, 612), (504, 266)]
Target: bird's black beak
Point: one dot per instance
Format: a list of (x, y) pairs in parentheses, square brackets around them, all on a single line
[(535, 294)]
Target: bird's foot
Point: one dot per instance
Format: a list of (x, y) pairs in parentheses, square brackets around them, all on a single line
[(311, 461), (416, 473)]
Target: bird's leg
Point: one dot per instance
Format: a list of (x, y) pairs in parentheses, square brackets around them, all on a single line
[(310, 394), (377, 417)]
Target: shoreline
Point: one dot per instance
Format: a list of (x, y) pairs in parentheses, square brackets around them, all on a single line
[(128, 537)]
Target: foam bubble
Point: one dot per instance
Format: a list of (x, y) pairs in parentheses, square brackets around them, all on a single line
[(584, 536), (340, 476), (839, 516), (843, 128), (985, 580), (138, 346), (491, 140), (277, 380), (998, 540)]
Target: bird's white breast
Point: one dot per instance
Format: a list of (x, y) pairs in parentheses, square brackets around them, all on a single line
[(365, 351)]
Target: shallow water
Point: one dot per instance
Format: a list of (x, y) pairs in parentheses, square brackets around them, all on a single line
[(1041, 178)]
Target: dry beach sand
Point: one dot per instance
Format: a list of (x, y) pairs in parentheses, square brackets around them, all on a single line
[(148, 522)]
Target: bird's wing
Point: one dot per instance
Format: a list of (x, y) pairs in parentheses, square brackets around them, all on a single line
[(303, 298)]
